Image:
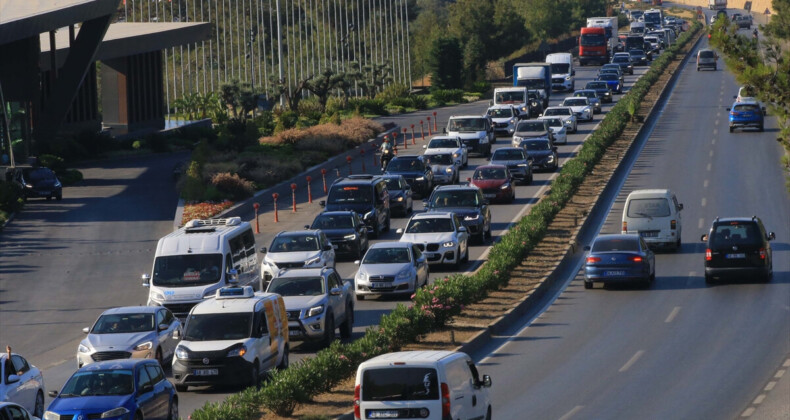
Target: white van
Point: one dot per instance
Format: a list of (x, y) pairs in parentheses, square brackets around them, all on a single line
[(655, 216), (232, 338), (434, 385), (637, 28), (515, 96), (563, 76), (199, 258)]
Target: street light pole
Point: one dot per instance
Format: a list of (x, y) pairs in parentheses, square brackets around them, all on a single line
[(280, 52)]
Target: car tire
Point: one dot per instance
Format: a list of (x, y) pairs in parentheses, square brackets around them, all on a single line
[(347, 327), (466, 256), (286, 360), (329, 332), (255, 374), (181, 388), (173, 411), (762, 128), (376, 231), (697, 70), (709, 280), (138, 416), (159, 357), (59, 197), (488, 413), (512, 197), (360, 251), (588, 284), (732, 129), (49, 198), (488, 232), (714, 68), (457, 264), (678, 245), (389, 223), (38, 409)]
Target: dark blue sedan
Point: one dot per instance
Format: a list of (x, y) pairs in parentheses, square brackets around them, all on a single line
[(612, 80), (619, 258), (132, 389)]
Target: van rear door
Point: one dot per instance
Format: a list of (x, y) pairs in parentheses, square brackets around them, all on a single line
[(400, 392), (649, 216)]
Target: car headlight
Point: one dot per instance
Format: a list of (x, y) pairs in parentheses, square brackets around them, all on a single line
[(238, 351), (516, 139), (551, 158), (449, 169), (361, 276), (568, 77), (48, 415), (182, 353), (568, 122), (351, 237), (57, 184), (422, 178), (369, 216), (315, 310), (403, 275), (156, 296), (399, 199), (472, 217), (504, 186), (312, 261), (144, 346), (534, 103), (523, 165), (456, 155), (448, 244), (115, 412), (28, 185), (83, 348), (512, 121)]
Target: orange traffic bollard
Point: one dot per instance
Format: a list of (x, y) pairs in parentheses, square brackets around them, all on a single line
[(435, 130), (309, 192), (422, 131), (257, 206), (323, 178), (274, 197), (429, 126), (362, 158), (413, 137), (348, 159), (293, 195)]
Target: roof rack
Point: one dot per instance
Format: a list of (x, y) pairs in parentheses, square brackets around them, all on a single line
[(361, 176), (235, 292), (197, 223)]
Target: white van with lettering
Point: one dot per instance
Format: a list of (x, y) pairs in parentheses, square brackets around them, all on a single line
[(655, 216)]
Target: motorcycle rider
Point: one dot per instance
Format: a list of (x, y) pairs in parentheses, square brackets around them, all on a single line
[(754, 33), (386, 153)]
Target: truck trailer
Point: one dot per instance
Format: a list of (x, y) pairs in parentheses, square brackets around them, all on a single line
[(534, 76)]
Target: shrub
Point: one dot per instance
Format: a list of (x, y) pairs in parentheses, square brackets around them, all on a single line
[(448, 95), (10, 197), (481, 87), (56, 163), (419, 101), (233, 186), (368, 106), (287, 120), (402, 102), (193, 187), (393, 91)]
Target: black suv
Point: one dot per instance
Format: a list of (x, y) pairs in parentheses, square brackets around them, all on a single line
[(364, 194), (346, 231), (413, 168), (738, 246), (468, 203)]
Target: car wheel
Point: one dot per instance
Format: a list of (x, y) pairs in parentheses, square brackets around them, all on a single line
[(255, 375), (588, 284), (360, 250), (138, 416), (38, 409), (173, 415), (488, 232), (762, 128), (387, 226), (285, 362), (347, 327), (678, 244), (376, 231), (329, 332), (49, 198), (529, 180), (59, 197), (466, 255), (714, 68), (488, 413), (697, 68), (732, 129), (708, 280), (457, 264), (512, 197), (181, 388)]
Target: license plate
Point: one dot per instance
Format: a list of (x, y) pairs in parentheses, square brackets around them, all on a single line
[(489, 195), (42, 193), (383, 414), (735, 256), (206, 372), (294, 332), (614, 273), (379, 285)]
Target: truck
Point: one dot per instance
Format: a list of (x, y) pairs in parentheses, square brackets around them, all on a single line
[(635, 42), (717, 4), (563, 76), (610, 26), (534, 76), (654, 18), (593, 46)]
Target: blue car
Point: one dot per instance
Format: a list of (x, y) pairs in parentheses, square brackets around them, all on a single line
[(619, 258), (612, 80), (128, 389), (746, 114)]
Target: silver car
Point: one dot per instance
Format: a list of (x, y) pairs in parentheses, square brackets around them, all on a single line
[(137, 332), (580, 106), (558, 128), (391, 267), (445, 169)]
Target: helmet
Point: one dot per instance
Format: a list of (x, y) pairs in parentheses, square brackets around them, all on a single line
[(386, 140)]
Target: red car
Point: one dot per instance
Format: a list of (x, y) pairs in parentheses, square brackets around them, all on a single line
[(495, 182)]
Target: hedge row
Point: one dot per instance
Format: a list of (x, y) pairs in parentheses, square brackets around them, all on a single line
[(434, 306)]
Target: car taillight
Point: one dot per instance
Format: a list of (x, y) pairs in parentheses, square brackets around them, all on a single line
[(357, 411), (708, 255), (762, 253), (673, 224), (593, 259), (625, 226), (445, 401), (635, 258)]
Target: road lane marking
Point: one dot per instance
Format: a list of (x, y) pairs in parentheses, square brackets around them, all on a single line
[(631, 361), (759, 399), (786, 363), (690, 278), (704, 201), (713, 140), (769, 386), (715, 132), (705, 183), (708, 167), (570, 414), (672, 314), (748, 412), (700, 223), (716, 123), (779, 373), (710, 154)]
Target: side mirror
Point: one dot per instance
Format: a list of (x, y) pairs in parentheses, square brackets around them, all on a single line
[(163, 327), (680, 206), (335, 291), (586, 248), (306, 227), (232, 276), (771, 236), (322, 203), (86, 330), (53, 394), (764, 111), (263, 250), (146, 280), (444, 130), (486, 381), (328, 247), (554, 148), (728, 109), (704, 238), (573, 72), (424, 146), (462, 229), (12, 379), (399, 231), (425, 203), (491, 103)]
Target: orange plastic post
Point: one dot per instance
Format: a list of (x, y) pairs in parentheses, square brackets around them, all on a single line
[(413, 137), (323, 178), (309, 191), (293, 195), (348, 159), (362, 158), (274, 197), (435, 130), (405, 145), (429, 126), (257, 206)]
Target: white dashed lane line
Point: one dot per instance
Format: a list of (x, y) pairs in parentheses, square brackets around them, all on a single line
[(672, 314), (571, 413), (704, 201), (631, 361)]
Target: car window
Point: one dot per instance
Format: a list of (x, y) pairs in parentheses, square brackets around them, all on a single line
[(736, 233), (357, 194), (616, 244), (536, 145), (335, 280), (429, 225), (442, 144), (508, 154), (416, 251), (455, 198), (160, 317), (500, 112), (123, 323), (558, 111), (294, 243), (555, 122), (20, 364), (648, 207), (490, 173), (400, 384), (386, 256), (575, 102), (533, 125), (297, 286), (143, 378), (441, 159), (323, 221), (14, 413), (467, 124), (393, 184), (155, 373), (405, 165), (746, 108)]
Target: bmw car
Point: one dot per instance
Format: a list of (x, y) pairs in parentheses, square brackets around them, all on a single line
[(618, 258), (440, 236)]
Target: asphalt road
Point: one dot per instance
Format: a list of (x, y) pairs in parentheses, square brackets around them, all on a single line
[(679, 350)]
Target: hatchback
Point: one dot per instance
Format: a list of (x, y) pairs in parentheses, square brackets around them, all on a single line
[(39, 182), (738, 247), (619, 258)]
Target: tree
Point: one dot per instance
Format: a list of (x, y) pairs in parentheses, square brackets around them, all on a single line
[(323, 84), (291, 92), (371, 78), (474, 61), (446, 63)]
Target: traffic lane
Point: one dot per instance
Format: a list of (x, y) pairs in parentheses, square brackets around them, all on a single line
[(680, 350)]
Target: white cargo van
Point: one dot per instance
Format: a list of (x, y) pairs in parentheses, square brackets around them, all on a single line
[(563, 76), (434, 385), (199, 258), (514, 96), (638, 28), (655, 216)]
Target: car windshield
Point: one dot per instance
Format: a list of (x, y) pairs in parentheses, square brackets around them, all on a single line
[(531, 126), (593, 40), (430, 225), (729, 233), (609, 71), (636, 52), (394, 184), (440, 159), (294, 243), (585, 94), (648, 207), (500, 112), (328, 221), (574, 102), (608, 76), (595, 85), (652, 40), (443, 144), (187, 270), (39, 174), (615, 244), (400, 383), (387, 256), (746, 108), (466, 124), (535, 144), (515, 97), (555, 122), (558, 111), (508, 154), (560, 68), (490, 173), (218, 326), (297, 286), (531, 83), (455, 198), (123, 324), (351, 194), (99, 382), (620, 59), (405, 165)]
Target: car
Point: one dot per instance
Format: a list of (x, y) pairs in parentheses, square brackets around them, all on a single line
[(297, 249), (615, 67), (496, 182), (531, 129), (21, 383), (468, 203), (744, 21), (401, 201), (655, 215), (592, 96), (613, 71), (391, 268), (365, 194), (440, 236), (706, 58), (636, 15), (517, 162), (580, 106), (415, 171), (316, 301), (625, 62), (602, 89), (12, 411), (448, 144), (617, 258), (662, 38), (39, 182), (613, 81), (345, 230), (130, 332), (505, 118), (445, 169), (475, 131), (543, 153), (557, 128), (746, 114), (738, 247), (655, 43), (116, 389), (567, 115), (535, 103), (639, 57)]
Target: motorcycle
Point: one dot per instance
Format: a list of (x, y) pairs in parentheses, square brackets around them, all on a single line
[(386, 157)]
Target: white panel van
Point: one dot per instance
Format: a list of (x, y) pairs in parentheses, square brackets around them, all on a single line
[(563, 76), (655, 216)]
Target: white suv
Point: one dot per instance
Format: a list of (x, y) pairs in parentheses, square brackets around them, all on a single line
[(297, 249), (475, 131), (440, 236)]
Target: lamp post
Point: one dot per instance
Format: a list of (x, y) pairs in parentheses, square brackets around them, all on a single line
[(280, 52)]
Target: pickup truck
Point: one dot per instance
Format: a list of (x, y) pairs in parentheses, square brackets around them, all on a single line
[(317, 301)]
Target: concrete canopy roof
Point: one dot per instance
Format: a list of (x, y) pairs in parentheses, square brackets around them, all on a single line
[(27, 18)]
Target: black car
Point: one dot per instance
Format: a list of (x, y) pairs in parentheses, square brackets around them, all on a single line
[(39, 182), (738, 247), (364, 194), (624, 61), (346, 231), (467, 203), (401, 201), (638, 57), (602, 89), (543, 153), (417, 174)]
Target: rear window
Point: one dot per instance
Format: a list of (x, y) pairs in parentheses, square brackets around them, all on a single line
[(706, 54), (648, 207), (746, 108), (616, 244), (400, 384), (736, 233)]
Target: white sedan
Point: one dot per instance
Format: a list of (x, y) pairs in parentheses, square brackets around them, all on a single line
[(440, 236), (449, 144), (564, 112), (558, 128), (580, 106)]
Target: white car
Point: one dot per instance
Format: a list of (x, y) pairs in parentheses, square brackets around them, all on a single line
[(21, 383), (391, 268), (580, 106), (297, 249), (564, 112), (440, 236), (558, 128), (505, 118), (475, 132), (449, 144)]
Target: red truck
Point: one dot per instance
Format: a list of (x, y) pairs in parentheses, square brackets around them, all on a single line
[(593, 46)]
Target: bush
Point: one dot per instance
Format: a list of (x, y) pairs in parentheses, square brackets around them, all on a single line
[(419, 101), (10, 197), (401, 102), (368, 106), (287, 120), (56, 163), (448, 95), (481, 87), (393, 91), (233, 186)]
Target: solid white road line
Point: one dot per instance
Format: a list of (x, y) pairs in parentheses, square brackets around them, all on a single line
[(631, 361), (672, 314), (570, 414)]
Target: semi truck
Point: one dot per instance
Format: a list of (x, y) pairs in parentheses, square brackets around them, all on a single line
[(534, 76), (593, 47), (610, 26), (717, 4)]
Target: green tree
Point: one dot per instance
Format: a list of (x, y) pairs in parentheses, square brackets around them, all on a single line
[(446, 63), (323, 84), (429, 24), (474, 61), (291, 91)]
